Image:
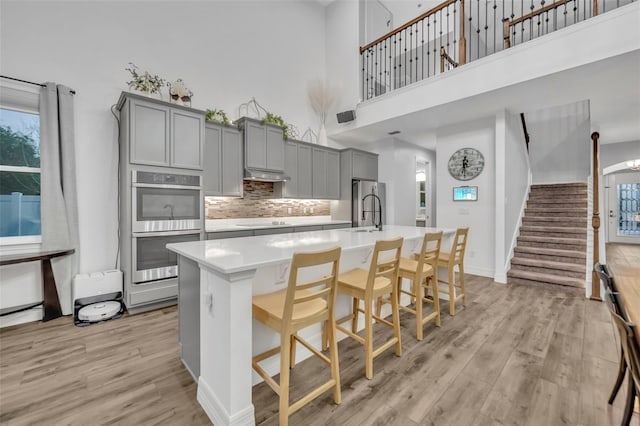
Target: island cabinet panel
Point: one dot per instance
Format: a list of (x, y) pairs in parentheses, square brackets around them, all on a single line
[(365, 165), (223, 161), (336, 226), (149, 142), (326, 173), (161, 135), (187, 139)]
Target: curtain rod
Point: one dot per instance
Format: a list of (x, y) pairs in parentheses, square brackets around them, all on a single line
[(73, 92)]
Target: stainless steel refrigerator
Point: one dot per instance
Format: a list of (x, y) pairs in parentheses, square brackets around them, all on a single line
[(367, 213)]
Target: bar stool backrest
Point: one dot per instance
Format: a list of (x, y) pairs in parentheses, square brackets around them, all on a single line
[(384, 266), (609, 285), (324, 288), (430, 250), (459, 246)]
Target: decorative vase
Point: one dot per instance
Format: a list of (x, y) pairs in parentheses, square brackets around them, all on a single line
[(322, 136)]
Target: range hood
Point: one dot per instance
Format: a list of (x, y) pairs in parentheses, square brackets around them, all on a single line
[(265, 175)]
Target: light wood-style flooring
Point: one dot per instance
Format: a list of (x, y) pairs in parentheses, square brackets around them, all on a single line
[(516, 355)]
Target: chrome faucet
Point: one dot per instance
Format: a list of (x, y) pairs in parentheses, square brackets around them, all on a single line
[(379, 224), (170, 207)]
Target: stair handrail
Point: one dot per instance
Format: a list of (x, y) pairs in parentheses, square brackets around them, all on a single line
[(428, 13), (595, 221), (524, 129), (444, 56), (508, 23)]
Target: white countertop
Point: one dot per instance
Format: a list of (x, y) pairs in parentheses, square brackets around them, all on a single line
[(233, 255), (222, 225)]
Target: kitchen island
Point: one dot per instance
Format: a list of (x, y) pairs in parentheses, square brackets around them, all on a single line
[(230, 272)]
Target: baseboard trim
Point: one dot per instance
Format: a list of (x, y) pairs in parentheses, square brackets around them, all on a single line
[(217, 413)]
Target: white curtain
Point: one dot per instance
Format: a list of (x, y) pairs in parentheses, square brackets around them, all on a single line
[(58, 194)]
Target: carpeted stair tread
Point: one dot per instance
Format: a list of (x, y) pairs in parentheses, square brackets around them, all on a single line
[(556, 229), (559, 185), (547, 239), (546, 278), (552, 252), (552, 219), (577, 202), (549, 264), (546, 211)]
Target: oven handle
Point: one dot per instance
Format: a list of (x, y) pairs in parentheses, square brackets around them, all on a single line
[(165, 233), (161, 186)]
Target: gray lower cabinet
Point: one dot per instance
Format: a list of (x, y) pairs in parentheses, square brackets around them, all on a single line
[(297, 164), (326, 173), (307, 228), (161, 135), (336, 226), (223, 161), (271, 231), (189, 315), (229, 234)]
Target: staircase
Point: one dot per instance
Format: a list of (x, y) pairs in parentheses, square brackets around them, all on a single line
[(552, 246)]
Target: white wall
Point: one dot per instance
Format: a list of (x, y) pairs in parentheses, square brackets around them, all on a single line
[(397, 168), (559, 150), (226, 52), (479, 215), (516, 189), (614, 153)]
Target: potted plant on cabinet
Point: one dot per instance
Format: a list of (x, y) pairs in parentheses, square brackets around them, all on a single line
[(144, 82)]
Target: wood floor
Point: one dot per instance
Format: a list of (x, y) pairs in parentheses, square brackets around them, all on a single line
[(515, 355)]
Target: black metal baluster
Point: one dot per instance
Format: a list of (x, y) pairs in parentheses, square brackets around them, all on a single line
[(495, 7), (435, 39), (456, 46), (410, 54), (448, 44), (362, 59), (428, 48), (576, 12), (416, 57), (395, 64), (387, 62), (405, 56), (486, 27), (422, 48)]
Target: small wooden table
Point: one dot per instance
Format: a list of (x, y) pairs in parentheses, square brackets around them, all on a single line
[(627, 282), (51, 300)]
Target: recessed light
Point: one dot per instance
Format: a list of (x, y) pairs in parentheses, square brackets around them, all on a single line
[(394, 132)]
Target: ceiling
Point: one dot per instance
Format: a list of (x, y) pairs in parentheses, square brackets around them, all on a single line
[(612, 87)]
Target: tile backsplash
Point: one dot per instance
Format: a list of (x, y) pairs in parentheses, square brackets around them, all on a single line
[(258, 202)]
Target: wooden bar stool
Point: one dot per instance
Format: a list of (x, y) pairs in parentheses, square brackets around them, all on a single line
[(421, 271), (378, 281), (450, 260), (290, 310)]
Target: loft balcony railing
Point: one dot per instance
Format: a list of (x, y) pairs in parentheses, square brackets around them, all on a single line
[(459, 31)]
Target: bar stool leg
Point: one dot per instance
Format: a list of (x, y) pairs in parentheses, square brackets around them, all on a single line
[(354, 321), (436, 299), (461, 278), (396, 322), (621, 371), (333, 355), (368, 338), (284, 379), (631, 398), (292, 351), (452, 293), (417, 291)]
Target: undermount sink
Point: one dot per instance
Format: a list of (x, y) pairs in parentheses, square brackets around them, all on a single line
[(362, 230)]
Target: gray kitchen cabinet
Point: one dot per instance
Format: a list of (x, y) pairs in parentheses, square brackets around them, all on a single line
[(161, 135), (222, 161), (149, 134), (326, 173), (365, 165), (307, 228), (271, 231), (336, 226), (229, 234), (297, 165), (264, 145)]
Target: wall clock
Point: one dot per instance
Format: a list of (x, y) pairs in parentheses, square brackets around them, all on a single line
[(466, 163)]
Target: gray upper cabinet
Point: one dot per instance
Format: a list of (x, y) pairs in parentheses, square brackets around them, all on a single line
[(365, 165), (223, 161), (187, 139), (264, 145), (149, 134), (326, 173), (297, 164), (161, 135), (232, 169)]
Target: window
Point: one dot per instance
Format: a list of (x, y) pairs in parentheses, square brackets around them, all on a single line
[(19, 167)]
